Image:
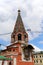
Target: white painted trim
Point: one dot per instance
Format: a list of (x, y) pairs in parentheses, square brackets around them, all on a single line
[(14, 61), (0, 62), (24, 59), (5, 62)]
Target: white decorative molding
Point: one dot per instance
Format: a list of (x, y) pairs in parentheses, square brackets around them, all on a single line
[(15, 46), (5, 62), (0, 62), (14, 61), (30, 60)]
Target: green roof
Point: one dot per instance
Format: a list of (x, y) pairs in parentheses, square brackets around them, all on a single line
[(4, 58)]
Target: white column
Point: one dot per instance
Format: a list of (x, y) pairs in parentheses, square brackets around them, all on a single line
[(5, 62), (14, 61), (0, 62)]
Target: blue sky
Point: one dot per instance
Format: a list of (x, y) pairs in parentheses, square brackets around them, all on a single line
[(32, 15), (38, 41)]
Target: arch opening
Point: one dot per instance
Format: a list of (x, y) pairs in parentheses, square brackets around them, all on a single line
[(19, 37)]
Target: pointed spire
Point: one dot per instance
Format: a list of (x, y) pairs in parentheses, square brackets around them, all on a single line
[(19, 32), (19, 27)]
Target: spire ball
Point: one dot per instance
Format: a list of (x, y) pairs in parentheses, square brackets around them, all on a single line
[(18, 11)]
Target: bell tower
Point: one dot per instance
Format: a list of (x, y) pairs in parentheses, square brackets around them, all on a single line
[(19, 32), (20, 52)]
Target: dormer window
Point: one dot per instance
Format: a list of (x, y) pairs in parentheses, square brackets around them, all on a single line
[(19, 37), (26, 54)]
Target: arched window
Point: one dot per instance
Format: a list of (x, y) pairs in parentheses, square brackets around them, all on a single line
[(10, 63), (24, 37), (19, 36)]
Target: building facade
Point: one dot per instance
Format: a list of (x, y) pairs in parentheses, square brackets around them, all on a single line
[(38, 58), (19, 49)]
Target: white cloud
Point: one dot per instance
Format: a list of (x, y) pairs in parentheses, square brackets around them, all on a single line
[(36, 49), (31, 12)]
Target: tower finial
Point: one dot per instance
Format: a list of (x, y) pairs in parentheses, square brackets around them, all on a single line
[(18, 11)]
